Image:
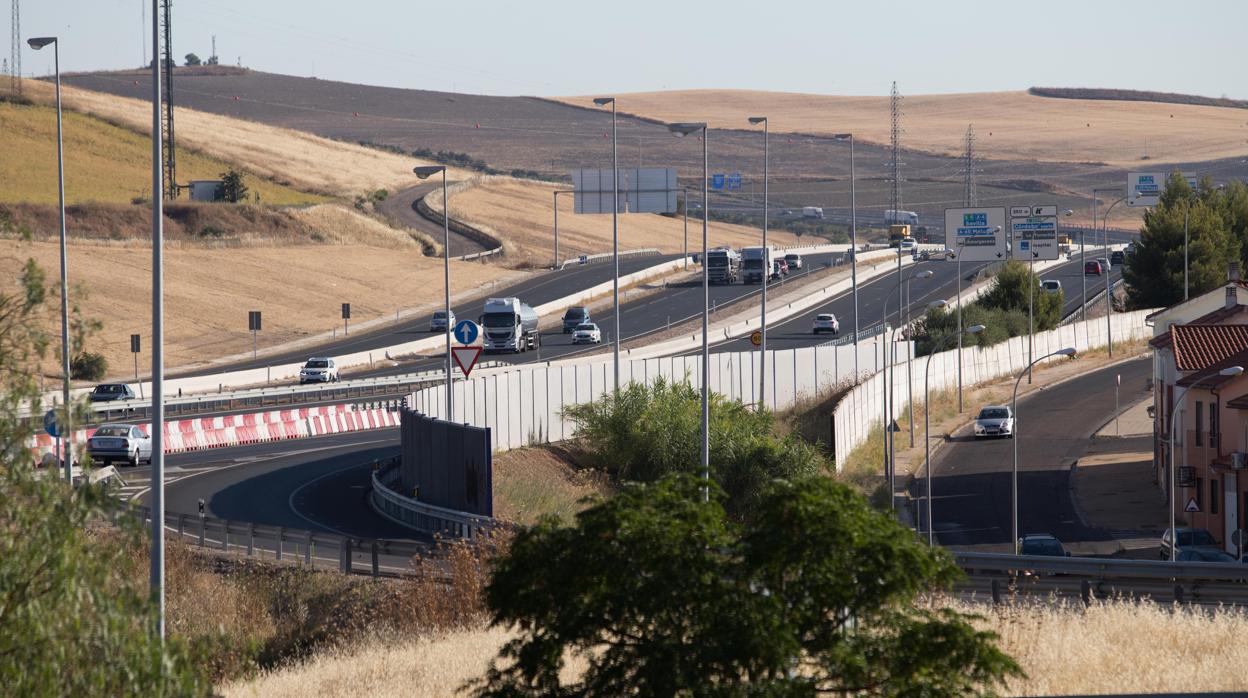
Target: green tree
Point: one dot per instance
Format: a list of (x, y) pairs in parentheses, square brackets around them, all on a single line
[(1009, 291), (664, 595), (192, 59), (233, 187)]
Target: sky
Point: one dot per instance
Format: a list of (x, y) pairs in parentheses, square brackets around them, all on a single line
[(559, 47)]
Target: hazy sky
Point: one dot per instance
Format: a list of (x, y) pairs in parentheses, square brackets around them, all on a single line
[(577, 47)]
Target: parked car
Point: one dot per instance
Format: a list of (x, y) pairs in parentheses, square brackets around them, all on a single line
[(1051, 285), (1117, 258), (438, 322), (793, 260), (587, 333), (1189, 539), (119, 442), (1041, 544), (1092, 268), (995, 420), (318, 369), (574, 317), (1106, 267), (111, 392), (827, 322)]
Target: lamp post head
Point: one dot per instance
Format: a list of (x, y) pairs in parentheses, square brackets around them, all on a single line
[(975, 329), (39, 42), (427, 171), (1231, 371), (1068, 351), (603, 101), (756, 120), (682, 129)]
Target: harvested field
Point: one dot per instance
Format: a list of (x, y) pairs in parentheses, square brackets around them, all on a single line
[(519, 212), (1008, 125)]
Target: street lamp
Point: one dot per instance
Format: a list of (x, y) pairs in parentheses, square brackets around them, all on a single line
[(66, 445), (1069, 351), (1228, 372), (680, 130), (762, 345), (996, 230), (615, 238), (425, 172), (1105, 243), (888, 371), (853, 237), (927, 442)]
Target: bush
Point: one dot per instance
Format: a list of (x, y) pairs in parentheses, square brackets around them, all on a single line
[(211, 231), (88, 366), (380, 195)]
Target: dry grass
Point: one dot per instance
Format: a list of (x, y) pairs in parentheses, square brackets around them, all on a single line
[(290, 157), (532, 482), (103, 162), (1009, 125), (519, 213)]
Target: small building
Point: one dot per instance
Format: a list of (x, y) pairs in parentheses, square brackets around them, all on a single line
[(206, 190)]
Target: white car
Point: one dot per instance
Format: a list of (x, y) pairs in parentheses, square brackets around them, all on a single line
[(1106, 267), (827, 322), (908, 245), (119, 442), (318, 370), (794, 261), (995, 420), (1051, 285), (438, 322), (587, 333)]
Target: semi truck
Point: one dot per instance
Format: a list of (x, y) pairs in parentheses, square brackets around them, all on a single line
[(509, 325), (723, 265), (892, 217), (756, 263), (812, 212)]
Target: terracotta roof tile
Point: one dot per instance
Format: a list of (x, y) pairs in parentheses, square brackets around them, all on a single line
[(1197, 347)]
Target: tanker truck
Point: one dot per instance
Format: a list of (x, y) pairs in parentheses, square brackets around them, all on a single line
[(509, 325)]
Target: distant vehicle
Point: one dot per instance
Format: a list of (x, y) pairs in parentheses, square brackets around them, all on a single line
[(826, 322), (995, 420), (1050, 285), (318, 370), (438, 322), (1117, 258), (1092, 268), (119, 442), (723, 266), (1189, 539), (812, 212), (794, 260), (756, 263), (509, 326), (921, 255), (587, 333), (1041, 544), (111, 392), (897, 233), (1106, 267), (892, 217), (779, 269), (908, 245), (786, 212), (574, 317)]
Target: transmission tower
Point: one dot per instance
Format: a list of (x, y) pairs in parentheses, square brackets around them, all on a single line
[(15, 61), (968, 168), (895, 106), (167, 63)]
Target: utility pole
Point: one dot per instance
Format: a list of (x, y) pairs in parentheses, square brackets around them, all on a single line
[(15, 61), (167, 65), (968, 168)]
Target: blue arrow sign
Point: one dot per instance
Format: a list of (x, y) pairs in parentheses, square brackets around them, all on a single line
[(50, 425), (466, 331)]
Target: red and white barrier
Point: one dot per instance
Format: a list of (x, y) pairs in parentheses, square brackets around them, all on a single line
[(202, 433)]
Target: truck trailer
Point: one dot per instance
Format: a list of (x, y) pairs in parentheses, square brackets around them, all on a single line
[(723, 265), (509, 325), (756, 263)]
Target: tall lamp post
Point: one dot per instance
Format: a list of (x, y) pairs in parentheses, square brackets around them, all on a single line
[(425, 172), (996, 230), (762, 345), (889, 370), (853, 237), (556, 198), (1228, 372), (927, 442), (1069, 351), (615, 239), (1109, 316), (66, 445), (680, 130), (1105, 242)]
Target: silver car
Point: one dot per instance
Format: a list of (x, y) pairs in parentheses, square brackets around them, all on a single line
[(438, 322), (119, 442), (826, 322), (995, 420), (587, 333)]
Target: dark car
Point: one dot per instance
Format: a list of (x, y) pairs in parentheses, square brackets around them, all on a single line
[(1198, 555), (111, 392), (1189, 539), (574, 317), (1117, 258), (1041, 544), (1092, 268)]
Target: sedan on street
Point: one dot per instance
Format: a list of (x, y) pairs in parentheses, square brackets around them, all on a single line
[(826, 322), (995, 420), (587, 333), (119, 442)]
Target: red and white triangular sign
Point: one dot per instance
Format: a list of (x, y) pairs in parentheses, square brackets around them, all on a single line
[(466, 358)]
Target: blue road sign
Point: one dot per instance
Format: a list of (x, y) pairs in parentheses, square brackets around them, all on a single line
[(717, 181), (50, 425), (734, 180), (466, 331)]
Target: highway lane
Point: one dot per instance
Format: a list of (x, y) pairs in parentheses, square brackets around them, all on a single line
[(971, 488)]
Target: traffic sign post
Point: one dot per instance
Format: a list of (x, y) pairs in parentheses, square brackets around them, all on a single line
[(1192, 507), (1034, 230), (50, 424), (466, 332), (756, 337), (134, 349), (346, 317), (978, 233), (466, 358), (253, 324)]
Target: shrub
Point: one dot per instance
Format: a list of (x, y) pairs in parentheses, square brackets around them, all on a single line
[(88, 366), (211, 231)]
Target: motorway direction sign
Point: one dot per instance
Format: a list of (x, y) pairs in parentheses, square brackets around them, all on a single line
[(466, 358), (977, 234), (50, 425), (1034, 232), (717, 181), (642, 190), (1145, 188), (466, 332)]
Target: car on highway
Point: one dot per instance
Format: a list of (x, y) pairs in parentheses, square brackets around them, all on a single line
[(318, 369), (1189, 539), (1117, 258), (1092, 268), (921, 256), (111, 392), (779, 269), (793, 260), (908, 245), (994, 420), (826, 322), (1106, 267), (1050, 285), (1041, 544), (574, 317), (119, 442), (438, 322), (587, 333)]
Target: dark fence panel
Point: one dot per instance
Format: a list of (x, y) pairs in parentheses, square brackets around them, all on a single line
[(446, 464)]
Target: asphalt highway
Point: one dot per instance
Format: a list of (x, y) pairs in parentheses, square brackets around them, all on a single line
[(401, 206)]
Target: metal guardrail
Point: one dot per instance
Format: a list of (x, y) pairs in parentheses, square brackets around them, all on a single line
[(421, 516), (867, 333), (596, 258), (1091, 301), (1102, 568)]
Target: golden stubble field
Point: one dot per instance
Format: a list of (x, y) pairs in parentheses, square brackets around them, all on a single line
[(1008, 125)]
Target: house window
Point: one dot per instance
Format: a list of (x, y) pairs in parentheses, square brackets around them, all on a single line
[(1213, 495), (1200, 423), (1200, 491), (1214, 435)]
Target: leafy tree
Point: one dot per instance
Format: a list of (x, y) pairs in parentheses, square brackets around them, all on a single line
[(192, 59), (233, 188), (1009, 291), (88, 366), (745, 453), (663, 595), (212, 60)]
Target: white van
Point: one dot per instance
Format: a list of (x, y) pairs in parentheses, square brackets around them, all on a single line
[(812, 212)]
